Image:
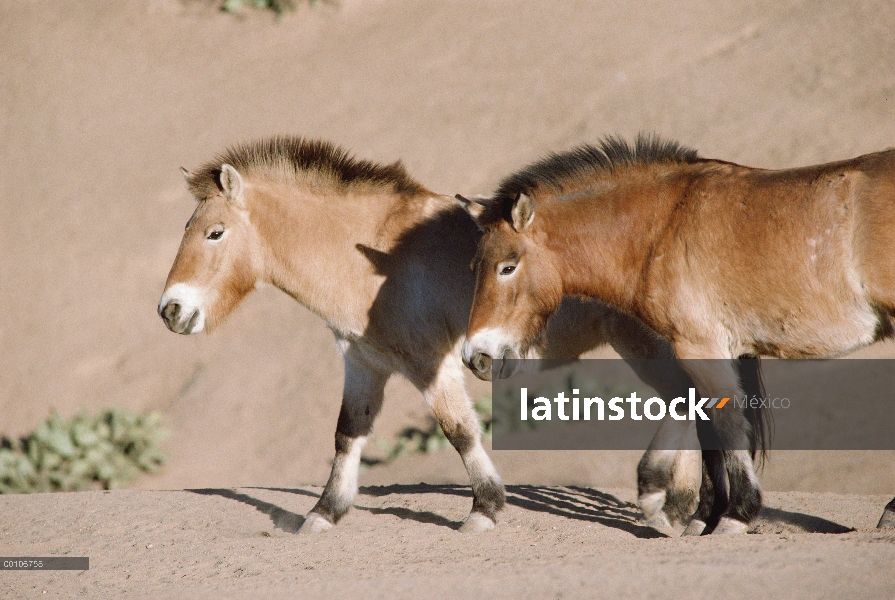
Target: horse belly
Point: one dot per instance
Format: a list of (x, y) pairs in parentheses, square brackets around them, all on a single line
[(804, 306), (816, 328)]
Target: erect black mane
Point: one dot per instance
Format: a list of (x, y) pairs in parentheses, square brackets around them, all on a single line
[(294, 158), (560, 171)]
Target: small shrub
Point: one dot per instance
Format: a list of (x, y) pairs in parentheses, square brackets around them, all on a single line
[(103, 452), (415, 440), (280, 7), (277, 6)]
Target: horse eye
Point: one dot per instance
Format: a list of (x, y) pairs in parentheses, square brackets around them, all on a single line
[(216, 235), (508, 270)]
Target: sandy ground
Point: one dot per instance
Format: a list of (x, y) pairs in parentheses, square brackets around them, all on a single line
[(400, 541), (100, 102)]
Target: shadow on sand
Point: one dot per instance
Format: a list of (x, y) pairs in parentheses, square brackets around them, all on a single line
[(575, 503), (774, 520), (578, 503), (283, 519), (582, 504)]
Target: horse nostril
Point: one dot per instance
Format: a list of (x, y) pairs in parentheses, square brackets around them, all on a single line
[(171, 312), (481, 362)]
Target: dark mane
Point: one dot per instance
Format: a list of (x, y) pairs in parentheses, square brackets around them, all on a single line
[(566, 171), (311, 162)]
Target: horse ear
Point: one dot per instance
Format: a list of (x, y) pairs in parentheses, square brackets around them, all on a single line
[(380, 260), (186, 174), (523, 212), (475, 207), (231, 183)]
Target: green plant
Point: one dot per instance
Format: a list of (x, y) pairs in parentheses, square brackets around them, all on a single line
[(277, 6), (106, 452), (416, 440), (280, 7)]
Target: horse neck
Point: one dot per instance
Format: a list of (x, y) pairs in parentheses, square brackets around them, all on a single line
[(601, 243), (310, 245)]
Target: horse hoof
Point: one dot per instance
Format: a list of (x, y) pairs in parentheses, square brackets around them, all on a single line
[(660, 522), (651, 505), (477, 523), (695, 527), (887, 521), (315, 523), (728, 526)]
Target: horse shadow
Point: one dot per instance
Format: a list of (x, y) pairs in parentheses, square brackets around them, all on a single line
[(284, 520), (775, 520), (571, 502), (582, 504), (290, 522)]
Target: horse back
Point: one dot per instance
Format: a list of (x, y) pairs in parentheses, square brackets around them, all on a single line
[(795, 262)]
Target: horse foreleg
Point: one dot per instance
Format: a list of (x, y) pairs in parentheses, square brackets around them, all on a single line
[(361, 401), (887, 521), (456, 415), (670, 471)]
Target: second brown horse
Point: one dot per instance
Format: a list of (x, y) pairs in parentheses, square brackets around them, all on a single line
[(721, 259)]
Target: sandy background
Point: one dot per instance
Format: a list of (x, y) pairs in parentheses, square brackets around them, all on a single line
[(102, 101)]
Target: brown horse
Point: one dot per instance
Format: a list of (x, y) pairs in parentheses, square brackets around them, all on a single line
[(722, 260), (385, 262)]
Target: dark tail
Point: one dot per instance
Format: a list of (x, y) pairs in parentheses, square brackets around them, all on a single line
[(760, 419)]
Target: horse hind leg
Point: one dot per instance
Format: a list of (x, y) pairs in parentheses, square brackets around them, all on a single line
[(667, 484), (457, 417), (715, 378), (361, 401), (712, 495), (668, 476), (653, 476), (683, 492)]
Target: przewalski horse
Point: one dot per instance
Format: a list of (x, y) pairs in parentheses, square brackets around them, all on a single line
[(656, 231), (385, 262)]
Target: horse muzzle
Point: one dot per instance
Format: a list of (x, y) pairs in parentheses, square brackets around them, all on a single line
[(480, 365), (486, 352), (181, 314)]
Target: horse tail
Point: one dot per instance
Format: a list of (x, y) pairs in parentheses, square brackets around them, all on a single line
[(760, 419)]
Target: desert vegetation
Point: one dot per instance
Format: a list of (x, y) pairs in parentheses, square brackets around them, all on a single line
[(106, 451)]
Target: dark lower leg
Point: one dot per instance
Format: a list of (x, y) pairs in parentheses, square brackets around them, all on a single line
[(731, 435), (361, 402), (341, 489), (713, 496), (459, 421)]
